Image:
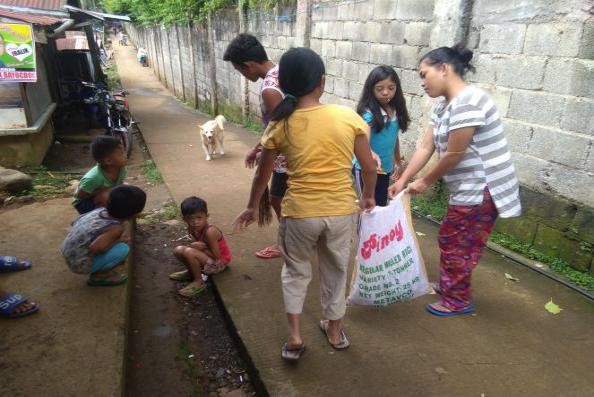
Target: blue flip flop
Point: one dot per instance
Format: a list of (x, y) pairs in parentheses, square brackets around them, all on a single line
[(11, 302), (466, 310), (12, 264)]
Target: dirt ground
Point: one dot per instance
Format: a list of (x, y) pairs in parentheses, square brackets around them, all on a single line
[(177, 346)]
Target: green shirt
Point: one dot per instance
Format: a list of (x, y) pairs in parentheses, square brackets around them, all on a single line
[(95, 179)]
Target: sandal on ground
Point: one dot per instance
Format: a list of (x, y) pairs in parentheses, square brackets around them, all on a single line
[(269, 252), (344, 342), (435, 286), (292, 353), (183, 275), (442, 311), (190, 291), (12, 264), (107, 281), (10, 302)]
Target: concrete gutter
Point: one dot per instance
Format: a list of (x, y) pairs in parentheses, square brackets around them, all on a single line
[(35, 128)]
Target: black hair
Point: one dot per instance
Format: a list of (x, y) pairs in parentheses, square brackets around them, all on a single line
[(125, 201), (300, 71), (458, 56), (245, 48), (103, 146), (192, 205), (369, 102)]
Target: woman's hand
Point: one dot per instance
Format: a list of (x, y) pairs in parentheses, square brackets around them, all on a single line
[(247, 217), (251, 158), (367, 204), (376, 159), (418, 186), (397, 172), (396, 188)]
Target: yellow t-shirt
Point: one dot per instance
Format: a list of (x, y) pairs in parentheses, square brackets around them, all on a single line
[(318, 144)]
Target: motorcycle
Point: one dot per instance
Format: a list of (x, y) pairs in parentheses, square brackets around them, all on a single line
[(112, 110)]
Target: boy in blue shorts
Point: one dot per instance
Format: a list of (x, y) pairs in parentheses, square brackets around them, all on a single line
[(109, 171), (96, 242)]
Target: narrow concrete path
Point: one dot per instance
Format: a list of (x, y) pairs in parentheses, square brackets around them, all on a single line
[(511, 347)]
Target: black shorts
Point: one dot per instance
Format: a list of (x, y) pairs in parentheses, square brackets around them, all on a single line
[(381, 187), (278, 186)]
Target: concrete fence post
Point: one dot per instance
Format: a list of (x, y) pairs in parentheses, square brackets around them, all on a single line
[(179, 59), (193, 61), (212, 65), (243, 27), (303, 23)]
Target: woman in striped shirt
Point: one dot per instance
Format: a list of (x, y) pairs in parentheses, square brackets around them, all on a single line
[(474, 161)]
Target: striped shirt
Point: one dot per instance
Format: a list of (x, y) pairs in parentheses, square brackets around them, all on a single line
[(487, 160)]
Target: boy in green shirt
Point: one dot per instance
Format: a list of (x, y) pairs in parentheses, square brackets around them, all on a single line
[(109, 172)]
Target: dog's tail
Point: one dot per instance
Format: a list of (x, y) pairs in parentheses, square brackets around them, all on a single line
[(220, 119)]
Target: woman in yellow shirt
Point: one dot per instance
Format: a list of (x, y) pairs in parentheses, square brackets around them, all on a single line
[(319, 210)]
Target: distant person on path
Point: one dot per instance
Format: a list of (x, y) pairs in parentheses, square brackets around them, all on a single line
[(109, 171), (209, 253), (250, 59), (96, 242), (319, 211), (475, 163), (383, 107)]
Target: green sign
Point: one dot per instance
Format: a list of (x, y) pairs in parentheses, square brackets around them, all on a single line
[(17, 53)]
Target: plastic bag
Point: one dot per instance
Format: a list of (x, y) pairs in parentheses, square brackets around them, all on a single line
[(389, 266)]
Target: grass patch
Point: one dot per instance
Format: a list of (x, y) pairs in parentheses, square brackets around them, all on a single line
[(47, 184), (113, 76), (166, 213), (151, 172), (559, 266), (436, 206)]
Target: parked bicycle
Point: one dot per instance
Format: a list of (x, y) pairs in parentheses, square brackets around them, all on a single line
[(112, 110)]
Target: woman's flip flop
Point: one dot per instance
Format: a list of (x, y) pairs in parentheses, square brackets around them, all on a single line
[(12, 264), (439, 310), (269, 252), (344, 342), (292, 353)]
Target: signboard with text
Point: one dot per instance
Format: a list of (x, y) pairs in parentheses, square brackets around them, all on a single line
[(17, 53)]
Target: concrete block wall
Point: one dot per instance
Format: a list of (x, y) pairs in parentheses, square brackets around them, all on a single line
[(536, 58), (356, 36)]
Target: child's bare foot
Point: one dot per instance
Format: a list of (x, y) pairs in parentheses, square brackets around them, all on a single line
[(193, 289)]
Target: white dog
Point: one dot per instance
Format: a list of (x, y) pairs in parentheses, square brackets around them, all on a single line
[(211, 133)]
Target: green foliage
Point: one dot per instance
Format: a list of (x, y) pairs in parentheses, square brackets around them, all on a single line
[(113, 77), (179, 11), (559, 266), (436, 206), (151, 172), (47, 184), (167, 212)]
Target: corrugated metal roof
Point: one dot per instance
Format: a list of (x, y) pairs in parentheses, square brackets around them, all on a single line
[(41, 4), (36, 19)]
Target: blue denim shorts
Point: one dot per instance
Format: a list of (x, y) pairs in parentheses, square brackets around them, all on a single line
[(111, 258)]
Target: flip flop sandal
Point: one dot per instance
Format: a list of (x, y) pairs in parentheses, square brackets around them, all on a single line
[(269, 253), (12, 264), (292, 354), (435, 286), (106, 282), (344, 342), (10, 302), (192, 292), (183, 275), (432, 308)]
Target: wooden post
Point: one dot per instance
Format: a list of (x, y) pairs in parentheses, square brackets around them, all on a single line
[(303, 23), (245, 89)]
